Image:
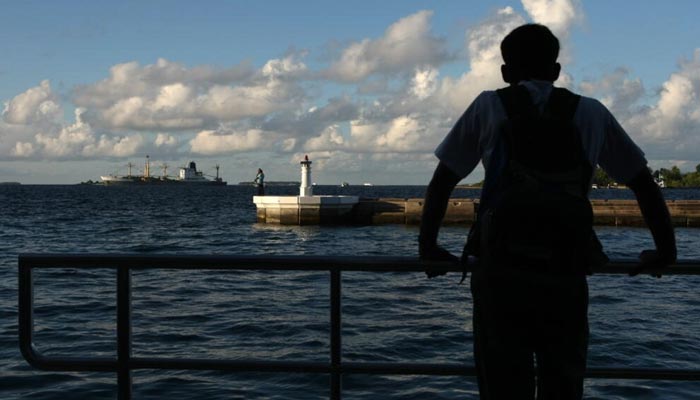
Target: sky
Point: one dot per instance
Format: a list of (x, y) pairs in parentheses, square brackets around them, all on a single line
[(366, 89)]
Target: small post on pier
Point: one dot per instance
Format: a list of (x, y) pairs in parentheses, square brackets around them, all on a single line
[(306, 188)]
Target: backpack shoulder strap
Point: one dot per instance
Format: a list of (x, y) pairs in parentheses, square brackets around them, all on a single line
[(516, 101), (517, 104), (562, 103)]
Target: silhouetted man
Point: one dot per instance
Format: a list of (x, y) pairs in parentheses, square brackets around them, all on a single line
[(538, 145)]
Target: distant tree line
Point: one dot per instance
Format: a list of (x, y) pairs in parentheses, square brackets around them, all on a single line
[(672, 177), (675, 178)]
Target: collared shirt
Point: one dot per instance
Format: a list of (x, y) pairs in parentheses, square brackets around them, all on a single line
[(604, 141)]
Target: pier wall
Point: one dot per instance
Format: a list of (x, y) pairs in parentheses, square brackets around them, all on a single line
[(684, 213), (408, 211), (376, 211)]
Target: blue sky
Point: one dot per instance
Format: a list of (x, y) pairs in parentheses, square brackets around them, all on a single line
[(367, 89)]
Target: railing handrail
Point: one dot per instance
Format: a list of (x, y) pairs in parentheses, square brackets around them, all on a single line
[(124, 363), (289, 263)]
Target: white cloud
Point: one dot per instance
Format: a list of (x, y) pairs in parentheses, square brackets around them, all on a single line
[(213, 142), (288, 144), (131, 79), (617, 90), (329, 160), (172, 96), (424, 82), (330, 139), (677, 94), (406, 44), (401, 134), (483, 43), (295, 128), (74, 141), (165, 140), (228, 103), (124, 146), (288, 67), (37, 104), (558, 15), (23, 150), (670, 128), (168, 95), (69, 140)]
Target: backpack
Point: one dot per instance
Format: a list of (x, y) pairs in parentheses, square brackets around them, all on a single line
[(534, 210)]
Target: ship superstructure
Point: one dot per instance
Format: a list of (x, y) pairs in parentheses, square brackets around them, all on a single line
[(187, 175)]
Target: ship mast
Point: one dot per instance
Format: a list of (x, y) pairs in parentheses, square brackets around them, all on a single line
[(147, 171), (129, 165), (217, 172)]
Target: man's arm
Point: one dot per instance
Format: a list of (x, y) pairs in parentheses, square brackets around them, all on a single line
[(434, 207), (656, 215)]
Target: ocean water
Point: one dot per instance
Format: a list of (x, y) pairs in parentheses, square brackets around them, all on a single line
[(635, 322)]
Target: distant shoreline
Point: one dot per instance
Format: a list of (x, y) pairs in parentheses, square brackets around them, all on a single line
[(467, 186), (283, 183)]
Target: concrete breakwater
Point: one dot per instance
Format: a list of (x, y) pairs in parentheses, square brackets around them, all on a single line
[(375, 211)]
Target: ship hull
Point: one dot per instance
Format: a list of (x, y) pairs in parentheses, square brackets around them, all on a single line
[(123, 181)]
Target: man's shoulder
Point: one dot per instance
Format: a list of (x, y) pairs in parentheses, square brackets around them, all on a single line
[(486, 96), (486, 100), (588, 101), (592, 107)]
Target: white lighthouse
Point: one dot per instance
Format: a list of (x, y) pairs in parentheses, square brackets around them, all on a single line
[(305, 188), (305, 209)]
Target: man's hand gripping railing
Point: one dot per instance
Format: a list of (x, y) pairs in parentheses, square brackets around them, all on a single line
[(658, 219), (653, 262), (438, 261)]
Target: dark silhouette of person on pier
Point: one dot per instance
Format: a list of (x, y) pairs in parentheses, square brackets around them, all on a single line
[(533, 242), (259, 182)]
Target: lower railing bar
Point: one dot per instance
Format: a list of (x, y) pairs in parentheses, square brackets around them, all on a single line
[(77, 364), (644, 373), (348, 367)]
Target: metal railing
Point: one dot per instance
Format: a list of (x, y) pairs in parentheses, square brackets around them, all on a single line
[(123, 364)]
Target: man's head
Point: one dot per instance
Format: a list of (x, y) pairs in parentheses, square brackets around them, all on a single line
[(530, 52)]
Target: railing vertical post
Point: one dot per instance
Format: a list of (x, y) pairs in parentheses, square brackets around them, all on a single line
[(26, 311), (336, 345), (124, 332)]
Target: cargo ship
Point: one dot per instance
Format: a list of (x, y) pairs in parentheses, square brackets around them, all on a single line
[(187, 175)]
